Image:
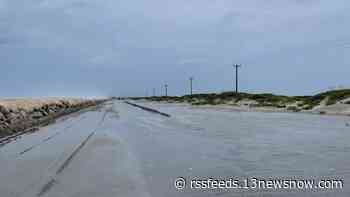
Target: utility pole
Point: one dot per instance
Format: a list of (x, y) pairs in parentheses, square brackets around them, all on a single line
[(236, 66), (191, 85), (154, 92), (166, 89)]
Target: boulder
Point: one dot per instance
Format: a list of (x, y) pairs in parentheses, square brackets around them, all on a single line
[(36, 115), (51, 110), (2, 130), (22, 114), (43, 112), (2, 117), (4, 111), (13, 117)]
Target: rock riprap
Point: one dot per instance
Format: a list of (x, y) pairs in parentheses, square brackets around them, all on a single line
[(17, 115)]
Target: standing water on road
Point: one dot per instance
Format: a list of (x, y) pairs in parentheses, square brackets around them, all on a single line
[(197, 144), (120, 150)]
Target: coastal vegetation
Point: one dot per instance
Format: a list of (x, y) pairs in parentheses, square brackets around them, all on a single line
[(289, 103)]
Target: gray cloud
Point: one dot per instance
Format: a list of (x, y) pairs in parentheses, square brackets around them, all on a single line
[(125, 47)]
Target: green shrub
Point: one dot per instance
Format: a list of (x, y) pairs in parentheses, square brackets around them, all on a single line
[(268, 99), (307, 107), (300, 104), (281, 106), (293, 108), (334, 96)]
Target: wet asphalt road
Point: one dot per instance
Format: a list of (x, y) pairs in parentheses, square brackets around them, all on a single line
[(120, 150)]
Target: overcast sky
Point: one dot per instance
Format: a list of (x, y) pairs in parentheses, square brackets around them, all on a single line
[(125, 47)]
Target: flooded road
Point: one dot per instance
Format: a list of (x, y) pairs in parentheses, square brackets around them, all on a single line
[(120, 150)]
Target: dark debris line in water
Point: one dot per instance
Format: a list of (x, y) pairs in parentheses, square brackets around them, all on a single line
[(148, 109)]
